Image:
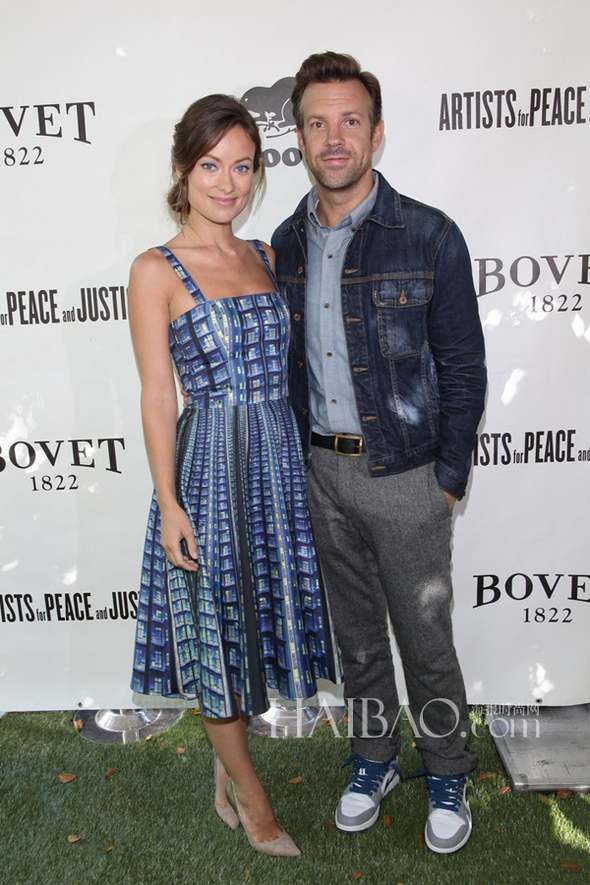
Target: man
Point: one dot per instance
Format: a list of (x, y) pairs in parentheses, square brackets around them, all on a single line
[(387, 379)]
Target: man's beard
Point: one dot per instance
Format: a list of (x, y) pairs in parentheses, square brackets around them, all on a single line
[(340, 179)]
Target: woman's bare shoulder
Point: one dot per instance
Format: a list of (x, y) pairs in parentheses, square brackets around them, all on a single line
[(148, 264), (150, 282)]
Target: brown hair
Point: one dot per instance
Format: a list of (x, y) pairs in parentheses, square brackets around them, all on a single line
[(327, 67), (202, 126)]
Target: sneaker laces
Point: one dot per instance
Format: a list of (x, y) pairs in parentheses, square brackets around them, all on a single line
[(367, 774), (445, 790)]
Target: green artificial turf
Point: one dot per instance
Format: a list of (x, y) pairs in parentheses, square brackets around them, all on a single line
[(152, 822)]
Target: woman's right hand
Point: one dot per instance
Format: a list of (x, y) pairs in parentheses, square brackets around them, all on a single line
[(176, 526)]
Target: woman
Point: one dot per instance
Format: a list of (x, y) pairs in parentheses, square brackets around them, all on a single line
[(230, 600)]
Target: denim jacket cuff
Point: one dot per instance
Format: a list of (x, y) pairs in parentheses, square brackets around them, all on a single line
[(449, 481)]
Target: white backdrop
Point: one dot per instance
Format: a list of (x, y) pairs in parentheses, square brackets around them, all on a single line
[(486, 113)]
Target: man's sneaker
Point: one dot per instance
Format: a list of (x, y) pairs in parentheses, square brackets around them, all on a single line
[(358, 808), (448, 826)]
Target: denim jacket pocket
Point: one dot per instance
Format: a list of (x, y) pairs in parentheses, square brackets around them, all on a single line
[(402, 306)]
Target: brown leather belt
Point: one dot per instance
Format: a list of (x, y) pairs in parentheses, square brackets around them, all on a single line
[(341, 443)]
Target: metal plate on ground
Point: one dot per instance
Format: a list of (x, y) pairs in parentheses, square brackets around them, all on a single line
[(124, 726), (545, 751)]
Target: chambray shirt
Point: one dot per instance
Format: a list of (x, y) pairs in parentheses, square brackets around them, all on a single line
[(331, 394)]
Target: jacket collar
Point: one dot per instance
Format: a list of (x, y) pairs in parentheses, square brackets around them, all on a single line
[(387, 210)]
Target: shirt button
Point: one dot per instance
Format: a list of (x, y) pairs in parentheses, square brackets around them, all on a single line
[(327, 304), (329, 353), (330, 256), (333, 400)]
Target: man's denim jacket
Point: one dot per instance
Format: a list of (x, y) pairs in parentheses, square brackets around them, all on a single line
[(413, 333)]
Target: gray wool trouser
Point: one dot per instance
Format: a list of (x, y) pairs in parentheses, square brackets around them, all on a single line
[(384, 548)]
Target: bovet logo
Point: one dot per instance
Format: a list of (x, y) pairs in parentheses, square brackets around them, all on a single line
[(21, 125), (271, 108), (69, 457), (536, 590)]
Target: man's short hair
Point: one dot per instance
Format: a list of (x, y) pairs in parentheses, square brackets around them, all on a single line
[(329, 67)]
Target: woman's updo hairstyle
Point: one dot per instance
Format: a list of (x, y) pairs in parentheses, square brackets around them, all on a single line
[(202, 126)]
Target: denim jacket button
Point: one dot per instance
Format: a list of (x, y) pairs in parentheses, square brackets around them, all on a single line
[(296, 316), (403, 298), (300, 269)]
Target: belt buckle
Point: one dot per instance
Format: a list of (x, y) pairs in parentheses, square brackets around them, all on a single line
[(338, 436)]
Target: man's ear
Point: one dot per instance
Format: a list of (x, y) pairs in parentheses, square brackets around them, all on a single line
[(377, 136)]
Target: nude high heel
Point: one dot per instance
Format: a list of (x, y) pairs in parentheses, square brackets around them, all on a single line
[(282, 846), (225, 812)]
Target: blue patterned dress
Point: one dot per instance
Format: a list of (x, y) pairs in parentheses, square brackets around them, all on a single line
[(254, 615)]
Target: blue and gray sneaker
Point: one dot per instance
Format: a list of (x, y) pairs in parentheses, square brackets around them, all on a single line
[(448, 826), (358, 808)]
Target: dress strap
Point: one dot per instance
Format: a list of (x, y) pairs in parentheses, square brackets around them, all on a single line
[(182, 272), (262, 252)]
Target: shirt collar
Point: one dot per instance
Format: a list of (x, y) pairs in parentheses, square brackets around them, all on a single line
[(356, 216)]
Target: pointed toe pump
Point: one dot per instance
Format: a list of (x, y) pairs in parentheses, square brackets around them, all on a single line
[(282, 846)]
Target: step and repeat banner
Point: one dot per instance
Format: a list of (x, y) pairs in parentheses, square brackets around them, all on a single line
[(487, 116)]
